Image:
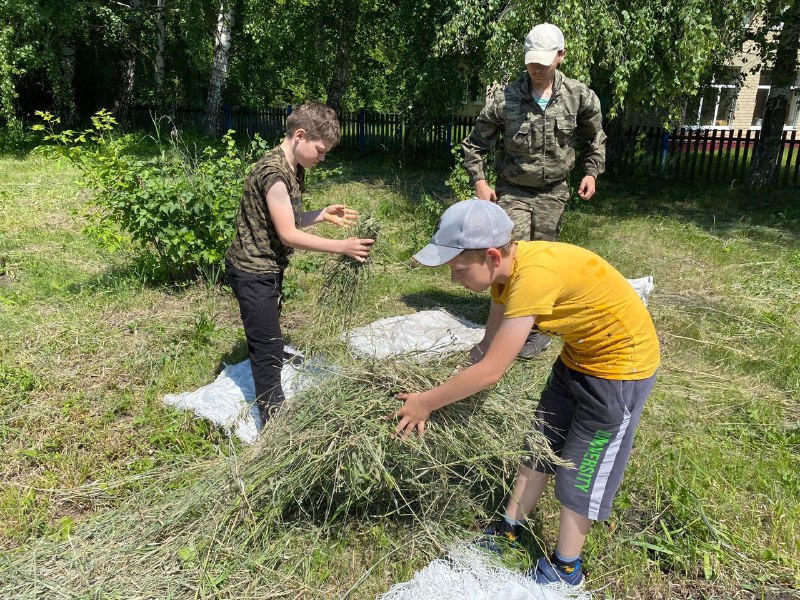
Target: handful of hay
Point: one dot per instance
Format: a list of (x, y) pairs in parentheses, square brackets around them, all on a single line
[(327, 463), (343, 281)]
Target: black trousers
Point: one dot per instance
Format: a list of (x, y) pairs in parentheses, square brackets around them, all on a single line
[(259, 296)]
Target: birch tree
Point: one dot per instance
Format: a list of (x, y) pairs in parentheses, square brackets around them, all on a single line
[(350, 13), (219, 69), (638, 54), (125, 68), (161, 45)]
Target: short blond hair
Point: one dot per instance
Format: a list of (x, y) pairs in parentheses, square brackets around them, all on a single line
[(477, 255), (318, 120)]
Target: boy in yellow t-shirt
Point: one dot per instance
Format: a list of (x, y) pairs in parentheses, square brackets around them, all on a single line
[(593, 399)]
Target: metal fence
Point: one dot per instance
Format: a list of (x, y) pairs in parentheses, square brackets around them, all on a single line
[(713, 155), (362, 130), (686, 154)]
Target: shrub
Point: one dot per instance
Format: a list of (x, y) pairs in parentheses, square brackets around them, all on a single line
[(459, 178), (175, 207)]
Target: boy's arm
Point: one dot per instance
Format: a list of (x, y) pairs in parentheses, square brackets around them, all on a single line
[(279, 206), (483, 137), (337, 214), (506, 344), (492, 324)]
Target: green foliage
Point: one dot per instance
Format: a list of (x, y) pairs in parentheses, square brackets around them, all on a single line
[(459, 182), (177, 209), (638, 54), (459, 178)]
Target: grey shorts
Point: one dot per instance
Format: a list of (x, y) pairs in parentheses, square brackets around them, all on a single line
[(589, 422)]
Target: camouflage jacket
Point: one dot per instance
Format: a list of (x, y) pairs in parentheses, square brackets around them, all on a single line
[(537, 147), (257, 248)]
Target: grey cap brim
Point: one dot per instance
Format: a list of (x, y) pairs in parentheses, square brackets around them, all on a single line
[(434, 256), (540, 57)]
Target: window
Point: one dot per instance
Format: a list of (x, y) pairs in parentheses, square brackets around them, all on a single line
[(716, 104), (761, 102)]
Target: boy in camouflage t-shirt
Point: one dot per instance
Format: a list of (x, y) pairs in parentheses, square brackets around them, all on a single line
[(269, 227)]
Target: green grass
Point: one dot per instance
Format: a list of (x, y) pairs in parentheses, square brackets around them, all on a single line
[(710, 506)]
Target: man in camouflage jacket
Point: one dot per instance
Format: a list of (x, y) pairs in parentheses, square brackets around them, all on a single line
[(540, 119)]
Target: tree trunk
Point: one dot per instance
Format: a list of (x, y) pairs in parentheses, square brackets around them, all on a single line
[(161, 44), (338, 84), (219, 70), (764, 167), (125, 70), (64, 86)]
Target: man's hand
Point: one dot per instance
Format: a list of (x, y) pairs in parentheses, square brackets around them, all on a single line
[(357, 249), (587, 188), (484, 192), (412, 415), (339, 215)]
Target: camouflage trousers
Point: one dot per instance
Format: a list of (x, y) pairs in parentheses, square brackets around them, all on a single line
[(535, 212)]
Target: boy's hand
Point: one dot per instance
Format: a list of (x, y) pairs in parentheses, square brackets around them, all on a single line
[(586, 188), (476, 354), (412, 415), (339, 215), (357, 249)]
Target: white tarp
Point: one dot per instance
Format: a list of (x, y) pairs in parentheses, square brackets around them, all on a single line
[(426, 334), (469, 574), (228, 401)]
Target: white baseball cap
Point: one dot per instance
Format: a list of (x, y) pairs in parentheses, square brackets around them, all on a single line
[(467, 225), (542, 44)]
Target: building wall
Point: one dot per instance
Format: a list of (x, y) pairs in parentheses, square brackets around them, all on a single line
[(746, 101)]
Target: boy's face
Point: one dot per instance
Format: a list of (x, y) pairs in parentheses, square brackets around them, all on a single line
[(472, 272), (309, 152)]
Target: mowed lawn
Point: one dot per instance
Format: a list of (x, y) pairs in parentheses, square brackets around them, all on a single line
[(709, 508)]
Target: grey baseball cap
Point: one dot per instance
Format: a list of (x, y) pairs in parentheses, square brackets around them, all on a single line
[(467, 225)]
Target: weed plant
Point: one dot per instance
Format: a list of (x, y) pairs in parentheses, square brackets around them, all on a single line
[(177, 207)]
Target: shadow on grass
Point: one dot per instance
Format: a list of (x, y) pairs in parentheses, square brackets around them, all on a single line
[(144, 272), (473, 308), (235, 355)]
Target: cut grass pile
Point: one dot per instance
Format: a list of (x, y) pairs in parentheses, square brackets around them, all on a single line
[(343, 282), (327, 462)]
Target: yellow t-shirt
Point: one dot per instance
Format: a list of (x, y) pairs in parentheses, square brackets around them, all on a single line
[(578, 296)]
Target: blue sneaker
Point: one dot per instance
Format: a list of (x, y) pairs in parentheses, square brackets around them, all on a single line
[(498, 535), (548, 571)]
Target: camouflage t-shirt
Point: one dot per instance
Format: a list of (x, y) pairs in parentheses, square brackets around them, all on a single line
[(257, 248)]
